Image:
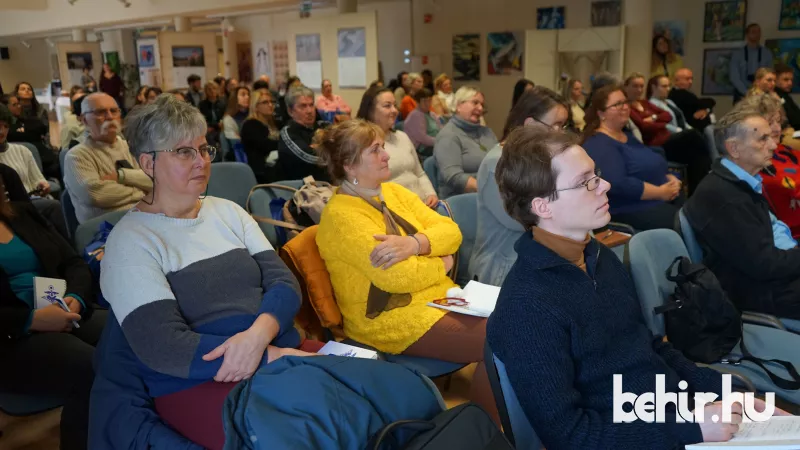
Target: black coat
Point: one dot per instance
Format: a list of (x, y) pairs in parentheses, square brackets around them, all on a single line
[(689, 103), (290, 166), (57, 259), (734, 229), (15, 190), (258, 145), (212, 111), (792, 111)]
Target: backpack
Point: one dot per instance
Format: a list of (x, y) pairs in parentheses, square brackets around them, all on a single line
[(705, 326), (464, 427)]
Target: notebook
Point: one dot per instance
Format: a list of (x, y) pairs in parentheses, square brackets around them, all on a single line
[(48, 291), (777, 433), (338, 349), (481, 299)]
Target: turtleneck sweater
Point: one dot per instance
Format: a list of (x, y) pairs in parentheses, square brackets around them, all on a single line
[(567, 248)]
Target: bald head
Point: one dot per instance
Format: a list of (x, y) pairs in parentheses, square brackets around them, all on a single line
[(684, 78)]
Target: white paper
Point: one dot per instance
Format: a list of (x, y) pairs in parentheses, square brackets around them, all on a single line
[(353, 72), (310, 73), (48, 291), (781, 432), (481, 299), (338, 349), (180, 74), (796, 134), (352, 52)]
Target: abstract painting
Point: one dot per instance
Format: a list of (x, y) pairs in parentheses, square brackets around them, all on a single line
[(725, 21), (716, 71), (467, 57), (550, 18), (505, 52)]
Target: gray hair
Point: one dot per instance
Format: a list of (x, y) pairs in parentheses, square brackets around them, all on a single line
[(162, 125), (295, 93), (604, 79), (465, 94), (89, 99), (765, 104), (731, 126)]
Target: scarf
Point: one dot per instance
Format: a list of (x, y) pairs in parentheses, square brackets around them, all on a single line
[(379, 300), (468, 127)]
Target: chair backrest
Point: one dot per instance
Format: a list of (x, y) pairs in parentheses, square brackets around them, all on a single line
[(36, 156), (689, 239), (70, 218), (708, 132), (85, 232), (260, 201), (465, 214), (432, 172), (231, 181), (62, 155), (516, 427), (651, 253)]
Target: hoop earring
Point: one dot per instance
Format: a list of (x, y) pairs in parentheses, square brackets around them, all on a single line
[(355, 181)]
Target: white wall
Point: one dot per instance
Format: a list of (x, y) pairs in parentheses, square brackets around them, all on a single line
[(26, 64)]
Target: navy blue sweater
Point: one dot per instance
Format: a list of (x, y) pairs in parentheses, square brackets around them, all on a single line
[(563, 333)]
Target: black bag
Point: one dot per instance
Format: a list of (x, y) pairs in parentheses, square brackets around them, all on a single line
[(704, 324), (465, 427)]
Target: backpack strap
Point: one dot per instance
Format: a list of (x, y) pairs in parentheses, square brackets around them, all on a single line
[(783, 383), (266, 186)]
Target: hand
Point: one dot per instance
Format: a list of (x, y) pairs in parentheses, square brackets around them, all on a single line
[(670, 190), (672, 178), (110, 176), (432, 201), (448, 262), (73, 304), (700, 114), (53, 318), (720, 432), (648, 120), (43, 187), (274, 353), (760, 406), (243, 353), (392, 250)]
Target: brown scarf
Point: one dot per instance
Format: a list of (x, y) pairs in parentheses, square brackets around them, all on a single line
[(379, 300)]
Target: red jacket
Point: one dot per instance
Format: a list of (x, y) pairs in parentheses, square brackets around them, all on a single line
[(782, 189), (654, 133)]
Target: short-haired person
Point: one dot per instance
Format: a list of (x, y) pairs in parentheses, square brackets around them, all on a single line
[(100, 174), (568, 318), (388, 255), (195, 92), (213, 109), (784, 85), (696, 110), (332, 104), (462, 144), (72, 128), (750, 251), (296, 157), (746, 60), (195, 328), (493, 253), (260, 136), (377, 106), (415, 84), (422, 125)]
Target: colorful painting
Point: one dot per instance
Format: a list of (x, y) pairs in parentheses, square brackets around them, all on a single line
[(716, 71), (606, 13), (188, 57), (787, 51), (112, 59), (77, 61), (505, 52), (550, 18), (725, 21), (674, 30), (790, 15), (147, 56), (467, 57)]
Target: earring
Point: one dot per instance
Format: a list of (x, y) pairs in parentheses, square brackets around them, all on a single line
[(355, 181)]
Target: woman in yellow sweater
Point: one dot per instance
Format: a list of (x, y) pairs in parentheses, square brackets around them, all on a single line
[(388, 256)]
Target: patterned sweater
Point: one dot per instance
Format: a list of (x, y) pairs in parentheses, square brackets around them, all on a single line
[(181, 287), (19, 158)]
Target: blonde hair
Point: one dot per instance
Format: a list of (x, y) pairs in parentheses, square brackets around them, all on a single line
[(412, 77), (211, 85), (255, 97), (341, 145), (634, 76), (437, 84), (465, 94)]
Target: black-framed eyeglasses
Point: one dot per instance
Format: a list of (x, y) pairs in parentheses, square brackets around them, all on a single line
[(618, 105), (554, 127), (190, 153), (104, 112), (590, 184)]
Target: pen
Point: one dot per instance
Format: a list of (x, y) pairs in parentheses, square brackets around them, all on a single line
[(66, 308)]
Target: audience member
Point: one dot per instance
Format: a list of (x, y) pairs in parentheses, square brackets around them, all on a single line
[(285, 116), (784, 87), (427, 79), (378, 83), (195, 93), (400, 86), (603, 79), (643, 193), (87, 80), (377, 106), (213, 109), (421, 125), (520, 87), (567, 296), (179, 94), (31, 109), (161, 262), (111, 84), (235, 114), (222, 85), (260, 136), (72, 128), (696, 110), (32, 131), (388, 255), (445, 101), (462, 144), (231, 86), (763, 82), (415, 84), (658, 88), (296, 157), (152, 93), (100, 174), (43, 356), (332, 104), (747, 60), (141, 95), (493, 253), (573, 94), (80, 130), (664, 61)]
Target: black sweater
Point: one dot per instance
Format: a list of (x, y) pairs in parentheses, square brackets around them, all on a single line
[(258, 145), (689, 103), (292, 167), (792, 111), (213, 112)]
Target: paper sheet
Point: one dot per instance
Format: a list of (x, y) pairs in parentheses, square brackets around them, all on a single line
[(776, 433), (481, 297), (48, 291)]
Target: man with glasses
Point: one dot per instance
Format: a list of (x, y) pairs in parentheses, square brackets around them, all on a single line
[(100, 174)]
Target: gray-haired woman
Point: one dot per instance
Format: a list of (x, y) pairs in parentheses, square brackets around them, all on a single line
[(296, 158), (188, 320)]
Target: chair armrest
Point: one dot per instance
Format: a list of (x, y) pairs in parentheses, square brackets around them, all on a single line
[(621, 227), (735, 376), (762, 319)]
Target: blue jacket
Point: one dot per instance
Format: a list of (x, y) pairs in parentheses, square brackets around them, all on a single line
[(563, 333), (324, 402)]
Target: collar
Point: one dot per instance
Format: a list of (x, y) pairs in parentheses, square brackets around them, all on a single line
[(536, 256), (754, 181)]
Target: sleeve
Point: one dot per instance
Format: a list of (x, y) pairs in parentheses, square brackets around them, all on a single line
[(672, 128), (737, 59), (662, 114), (442, 232), (134, 284), (646, 127), (544, 385), (424, 182), (34, 174), (417, 130), (135, 178), (406, 106), (230, 129), (489, 193), (700, 379), (343, 106), (447, 152), (82, 177), (73, 269), (608, 158), (14, 322)]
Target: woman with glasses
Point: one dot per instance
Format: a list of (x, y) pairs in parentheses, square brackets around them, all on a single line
[(493, 253), (194, 326), (260, 135), (643, 193)]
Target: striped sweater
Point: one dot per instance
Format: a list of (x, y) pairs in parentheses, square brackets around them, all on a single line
[(84, 167), (19, 158), (181, 287)]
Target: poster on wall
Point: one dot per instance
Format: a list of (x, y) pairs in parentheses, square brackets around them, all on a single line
[(467, 57), (716, 71), (550, 18), (667, 54), (112, 59), (352, 57), (790, 15), (244, 54), (308, 66), (187, 61), (787, 51), (724, 21), (262, 60), (280, 61), (149, 62), (606, 13), (505, 52), (76, 62)]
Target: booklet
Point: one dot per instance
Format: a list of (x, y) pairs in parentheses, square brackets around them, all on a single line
[(338, 349), (777, 433), (50, 291), (477, 299)]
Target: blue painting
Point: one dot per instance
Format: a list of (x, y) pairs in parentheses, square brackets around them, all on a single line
[(786, 51), (716, 71), (550, 18)]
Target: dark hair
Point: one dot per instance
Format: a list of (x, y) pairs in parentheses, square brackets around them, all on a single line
[(192, 78), (6, 99), (155, 89), (142, 91), (5, 114), (525, 170), (6, 211), (519, 89), (34, 102), (77, 105), (291, 81), (599, 81), (598, 103), (652, 83), (427, 72), (781, 68), (221, 82), (422, 94), (375, 83), (367, 106), (260, 84), (535, 103), (233, 101), (341, 145), (74, 90), (750, 26)]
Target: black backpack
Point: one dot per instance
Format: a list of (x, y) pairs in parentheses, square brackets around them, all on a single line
[(704, 324)]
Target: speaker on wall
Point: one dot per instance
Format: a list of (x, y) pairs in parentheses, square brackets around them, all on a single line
[(4, 53)]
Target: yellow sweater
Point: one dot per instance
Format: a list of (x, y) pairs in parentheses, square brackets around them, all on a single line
[(345, 240)]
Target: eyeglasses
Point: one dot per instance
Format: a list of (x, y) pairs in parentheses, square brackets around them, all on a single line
[(619, 105), (554, 127), (104, 112), (190, 153), (590, 184)]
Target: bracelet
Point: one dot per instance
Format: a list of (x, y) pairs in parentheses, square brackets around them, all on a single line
[(419, 244)]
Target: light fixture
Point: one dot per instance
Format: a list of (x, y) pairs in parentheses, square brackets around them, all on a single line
[(407, 52), (407, 60), (25, 44)]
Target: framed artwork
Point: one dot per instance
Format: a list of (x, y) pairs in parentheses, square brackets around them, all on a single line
[(725, 21), (716, 71), (790, 15), (606, 13), (188, 57), (550, 18), (147, 56), (675, 31), (79, 61), (467, 57), (787, 51), (505, 52)]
